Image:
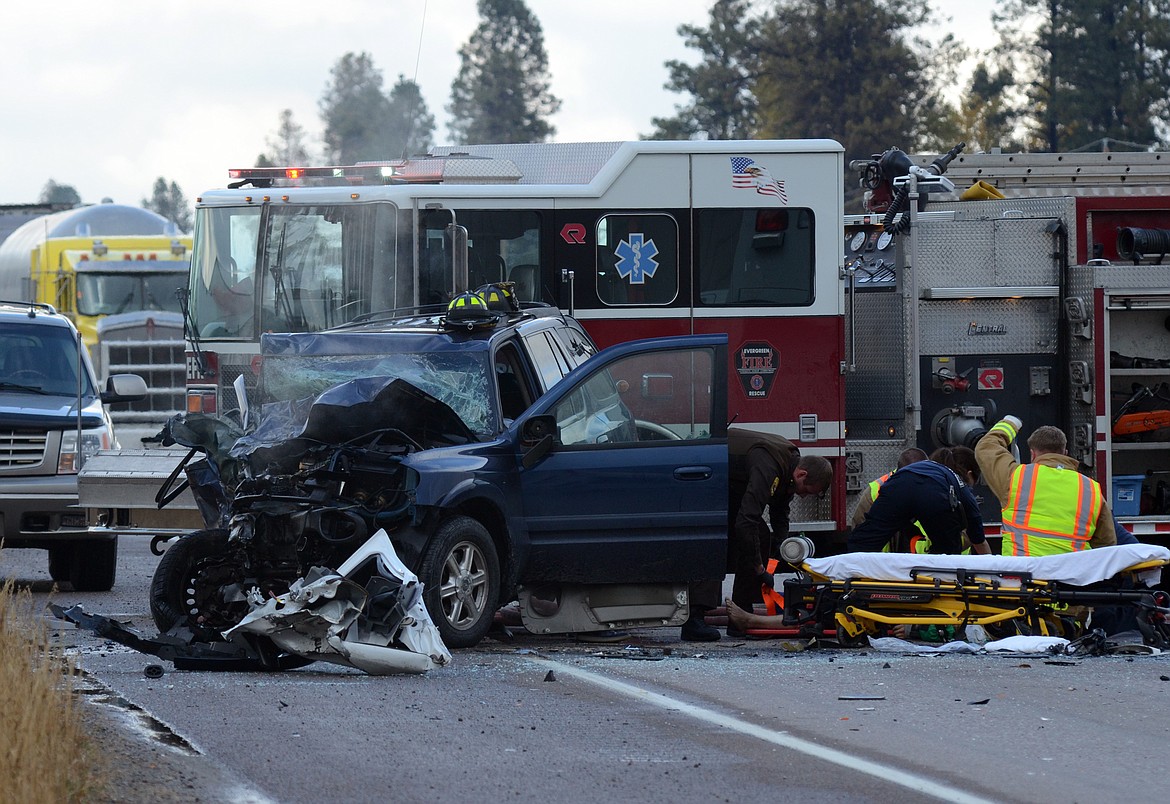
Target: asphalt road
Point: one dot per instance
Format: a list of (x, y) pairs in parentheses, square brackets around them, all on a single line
[(647, 719)]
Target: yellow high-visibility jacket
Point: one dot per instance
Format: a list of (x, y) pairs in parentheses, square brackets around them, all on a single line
[(1048, 506)]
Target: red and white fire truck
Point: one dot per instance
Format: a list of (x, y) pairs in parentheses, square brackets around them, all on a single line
[(921, 329), (636, 239), (1042, 295)]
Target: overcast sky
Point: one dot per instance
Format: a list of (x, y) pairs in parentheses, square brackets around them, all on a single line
[(108, 96)]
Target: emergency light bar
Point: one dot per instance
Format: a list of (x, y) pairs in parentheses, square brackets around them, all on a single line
[(365, 173), (459, 168)]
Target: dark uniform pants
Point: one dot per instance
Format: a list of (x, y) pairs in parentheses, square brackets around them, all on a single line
[(905, 498), (745, 589)]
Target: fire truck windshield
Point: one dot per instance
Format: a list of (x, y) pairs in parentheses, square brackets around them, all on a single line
[(295, 267)]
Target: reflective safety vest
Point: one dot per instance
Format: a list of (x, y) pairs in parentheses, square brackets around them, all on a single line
[(1050, 510), (920, 543)]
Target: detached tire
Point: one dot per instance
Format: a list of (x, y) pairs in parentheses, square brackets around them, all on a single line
[(460, 572), (92, 565), (168, 587)]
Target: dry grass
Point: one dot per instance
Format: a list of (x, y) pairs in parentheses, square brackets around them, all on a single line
[(44, 753)]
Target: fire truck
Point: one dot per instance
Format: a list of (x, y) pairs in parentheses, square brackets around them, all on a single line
[(994, 284), (635, 239), (1024, 284)]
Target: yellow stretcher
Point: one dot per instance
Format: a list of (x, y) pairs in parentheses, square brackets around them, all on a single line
[(858, 595)]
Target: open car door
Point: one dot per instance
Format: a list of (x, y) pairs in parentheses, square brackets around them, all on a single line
[(624, 476)]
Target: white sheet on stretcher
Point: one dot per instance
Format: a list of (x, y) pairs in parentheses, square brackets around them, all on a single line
[(1076, 569)]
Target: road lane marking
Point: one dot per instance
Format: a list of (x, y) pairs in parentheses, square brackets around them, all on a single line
[(886, 773)]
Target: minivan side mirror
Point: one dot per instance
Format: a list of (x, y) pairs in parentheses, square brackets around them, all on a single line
[(537, 438), (123, 388)]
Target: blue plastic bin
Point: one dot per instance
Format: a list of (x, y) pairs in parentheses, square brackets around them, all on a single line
[(1127, 495)]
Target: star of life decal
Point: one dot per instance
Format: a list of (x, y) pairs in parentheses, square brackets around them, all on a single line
[(636, 258)]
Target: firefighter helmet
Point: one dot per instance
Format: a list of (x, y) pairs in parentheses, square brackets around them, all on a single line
[(500, 296), (469, 310)]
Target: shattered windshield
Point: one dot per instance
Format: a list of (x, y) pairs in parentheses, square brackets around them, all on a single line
[(462, 379)]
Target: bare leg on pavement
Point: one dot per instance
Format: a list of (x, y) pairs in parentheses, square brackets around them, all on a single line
[(744, 620)]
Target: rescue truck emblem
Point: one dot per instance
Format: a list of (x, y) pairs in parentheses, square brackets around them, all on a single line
[(756, 363), (636, 258), (573, 233)]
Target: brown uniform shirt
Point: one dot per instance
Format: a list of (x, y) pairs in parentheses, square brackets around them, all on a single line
[(760, 475)]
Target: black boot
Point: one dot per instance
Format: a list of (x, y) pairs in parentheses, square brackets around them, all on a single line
[(695, 629)]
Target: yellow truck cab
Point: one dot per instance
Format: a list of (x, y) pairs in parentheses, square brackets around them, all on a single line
[(114, 271)]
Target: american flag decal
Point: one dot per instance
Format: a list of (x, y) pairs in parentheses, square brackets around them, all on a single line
[(746, 174)]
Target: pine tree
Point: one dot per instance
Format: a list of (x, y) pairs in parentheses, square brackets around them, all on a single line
[(412, 127), (287, 146), (940, 122), (843, 69), (1094, 72), (988, 118), (722, 105), (54, 193), (169, 201), (501, 93), (356, 112)]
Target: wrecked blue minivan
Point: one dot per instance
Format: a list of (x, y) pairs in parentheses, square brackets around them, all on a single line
[(506, 459)]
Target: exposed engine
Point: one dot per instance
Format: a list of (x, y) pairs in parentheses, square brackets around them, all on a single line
[(316, 483)]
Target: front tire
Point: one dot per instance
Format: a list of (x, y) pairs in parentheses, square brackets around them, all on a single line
[(176, 595), (170, 601), (460, 571)]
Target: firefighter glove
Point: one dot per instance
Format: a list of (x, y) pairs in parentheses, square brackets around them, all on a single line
[(767, 579), (1009, 426)]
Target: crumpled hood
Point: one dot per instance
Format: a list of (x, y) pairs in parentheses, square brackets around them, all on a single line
[(343, 413)]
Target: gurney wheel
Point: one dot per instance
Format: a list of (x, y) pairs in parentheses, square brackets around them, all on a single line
[(847, 641)]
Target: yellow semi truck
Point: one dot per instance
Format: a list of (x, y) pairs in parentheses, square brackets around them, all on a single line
[(114, 270)]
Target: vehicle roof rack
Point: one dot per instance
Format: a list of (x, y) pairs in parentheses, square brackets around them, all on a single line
[(431, 312), (31, 305)]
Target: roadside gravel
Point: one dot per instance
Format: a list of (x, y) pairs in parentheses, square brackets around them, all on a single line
[(138, 766)]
